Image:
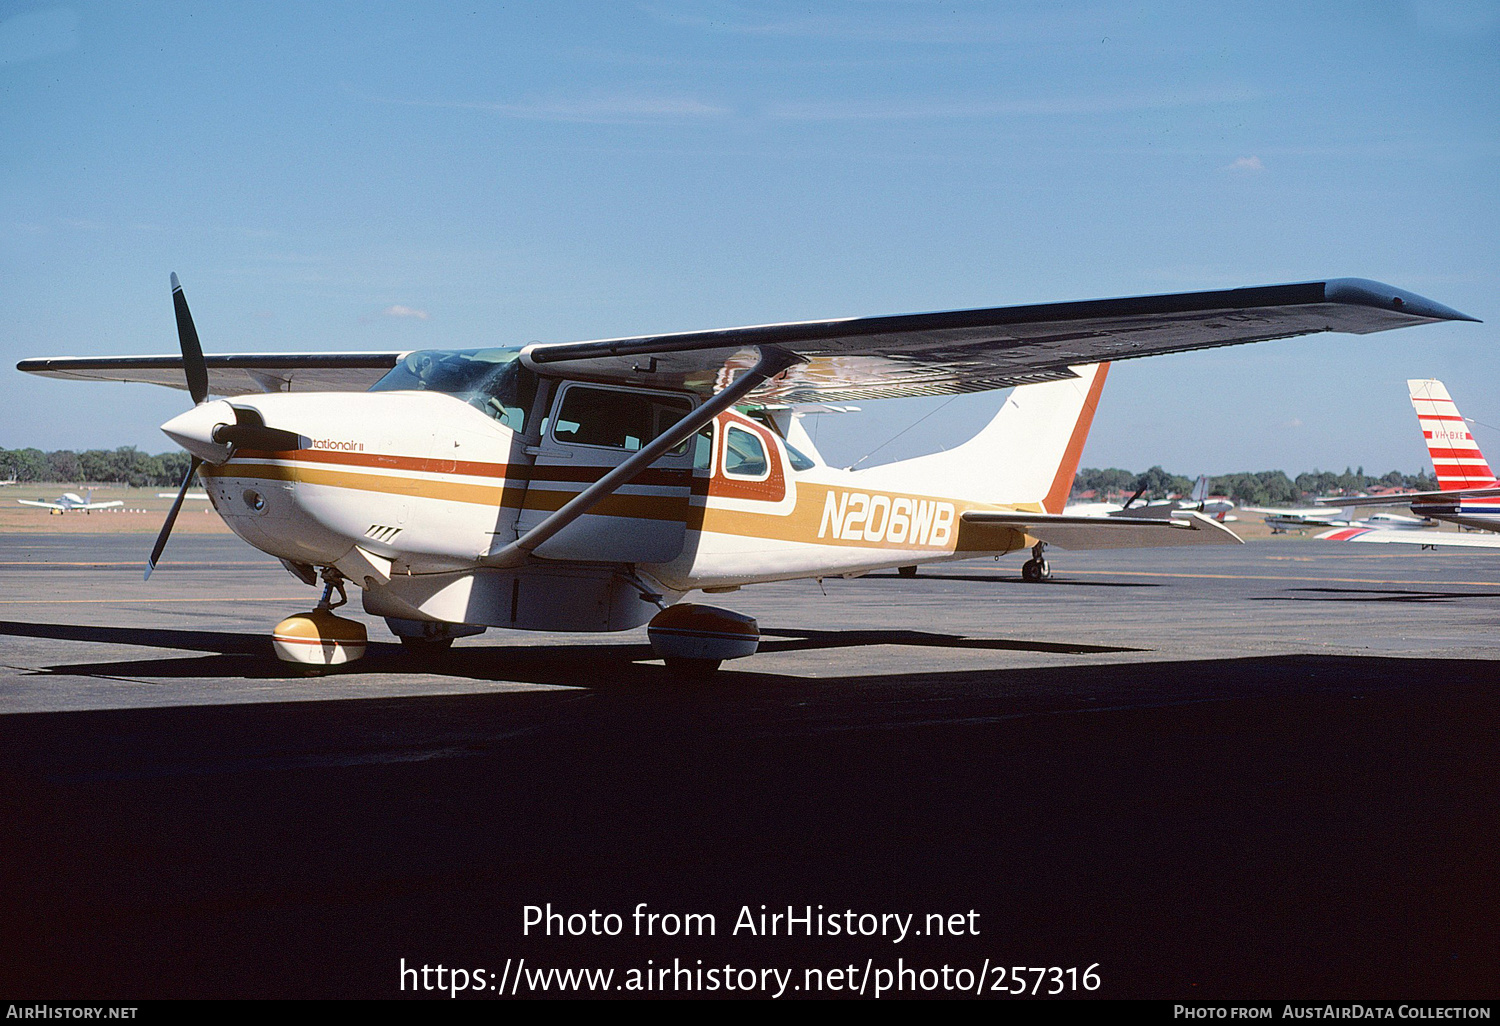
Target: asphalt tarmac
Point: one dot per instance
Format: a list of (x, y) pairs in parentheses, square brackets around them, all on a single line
[(1261, 772)]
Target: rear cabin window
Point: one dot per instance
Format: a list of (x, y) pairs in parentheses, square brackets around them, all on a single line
[(744, 454), (617, 420)]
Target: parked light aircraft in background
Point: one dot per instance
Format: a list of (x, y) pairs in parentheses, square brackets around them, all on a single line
[(1282, 520), (1198, 501), (69, 502), (589, 486), (1468, 493)]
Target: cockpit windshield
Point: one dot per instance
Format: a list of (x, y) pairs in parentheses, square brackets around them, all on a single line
[(491, 380)]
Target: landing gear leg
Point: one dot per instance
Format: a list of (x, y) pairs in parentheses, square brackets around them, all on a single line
[(332, 581), (1036, 569)]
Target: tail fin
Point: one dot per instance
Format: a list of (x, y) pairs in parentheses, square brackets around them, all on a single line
[(1200, 490), (1455, 455), (1028, 454)]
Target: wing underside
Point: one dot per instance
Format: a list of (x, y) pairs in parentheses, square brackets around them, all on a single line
[(229, 374), (978, 350)]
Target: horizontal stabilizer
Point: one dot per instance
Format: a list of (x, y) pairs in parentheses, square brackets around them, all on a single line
[(1079, 532), (1423, 538), (1407, 498)]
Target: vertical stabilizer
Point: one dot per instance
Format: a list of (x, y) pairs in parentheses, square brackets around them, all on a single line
[(1456, 458), (1027, 455)]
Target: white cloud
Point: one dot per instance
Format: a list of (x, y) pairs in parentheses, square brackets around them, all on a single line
[(608, 109), (405, 311), (1044, 106), (1245, 165)]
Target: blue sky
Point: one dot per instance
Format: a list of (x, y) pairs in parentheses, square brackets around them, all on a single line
[(394, 176)]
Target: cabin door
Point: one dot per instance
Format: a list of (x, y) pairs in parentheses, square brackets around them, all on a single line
[(590, 430)]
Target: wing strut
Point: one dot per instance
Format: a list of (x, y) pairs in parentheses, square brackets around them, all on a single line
[(771, 361)]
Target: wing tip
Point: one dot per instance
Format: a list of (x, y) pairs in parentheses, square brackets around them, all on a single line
[(1364, 292)]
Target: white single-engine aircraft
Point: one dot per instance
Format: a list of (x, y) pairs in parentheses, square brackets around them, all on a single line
[(69, 502), (589, 486), (1198, 501), (1281, 521)]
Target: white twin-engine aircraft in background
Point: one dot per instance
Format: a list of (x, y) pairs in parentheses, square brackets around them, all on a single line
[(69, 502), (1468, 495), (589, 486)]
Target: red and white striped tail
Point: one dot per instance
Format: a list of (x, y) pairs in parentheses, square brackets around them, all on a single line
[(1455, 455)]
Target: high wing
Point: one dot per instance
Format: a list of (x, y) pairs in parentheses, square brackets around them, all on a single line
[(1423, 538), (977, 350), (863, 358), (1424, 498), (229, 374), (1080, 532)]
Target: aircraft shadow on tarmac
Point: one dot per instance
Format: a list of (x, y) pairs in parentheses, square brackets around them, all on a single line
[(1372, 595), (1007, 578), (537, 664)]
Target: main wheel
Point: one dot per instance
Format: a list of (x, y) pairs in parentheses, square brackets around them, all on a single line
[(1044, 570), (906, 571), (1031, 570), (693, 668)]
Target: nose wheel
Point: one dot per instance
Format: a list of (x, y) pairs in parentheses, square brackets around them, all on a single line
[(1036, 569), (319, 639)]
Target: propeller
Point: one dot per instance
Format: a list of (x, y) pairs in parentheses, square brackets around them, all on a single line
[(196, 370), (205, 431), (166, 529)]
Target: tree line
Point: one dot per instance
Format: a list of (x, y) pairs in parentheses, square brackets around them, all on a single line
[(126, 465), (1257, 488)]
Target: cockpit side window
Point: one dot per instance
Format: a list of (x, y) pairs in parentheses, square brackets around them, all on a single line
[(617, 419), (744, 454), (798, 459)]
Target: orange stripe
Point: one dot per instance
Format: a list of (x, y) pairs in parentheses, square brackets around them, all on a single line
[(1062, 484)]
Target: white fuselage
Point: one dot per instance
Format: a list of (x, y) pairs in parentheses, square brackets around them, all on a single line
[(409, 494)]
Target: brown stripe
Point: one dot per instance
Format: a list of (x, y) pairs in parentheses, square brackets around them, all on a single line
[(519, 472)]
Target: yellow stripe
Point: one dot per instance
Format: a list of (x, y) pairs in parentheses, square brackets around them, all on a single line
[(800, 525)]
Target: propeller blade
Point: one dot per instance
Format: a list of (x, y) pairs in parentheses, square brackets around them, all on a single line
[(166, 529), (193, 364)]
